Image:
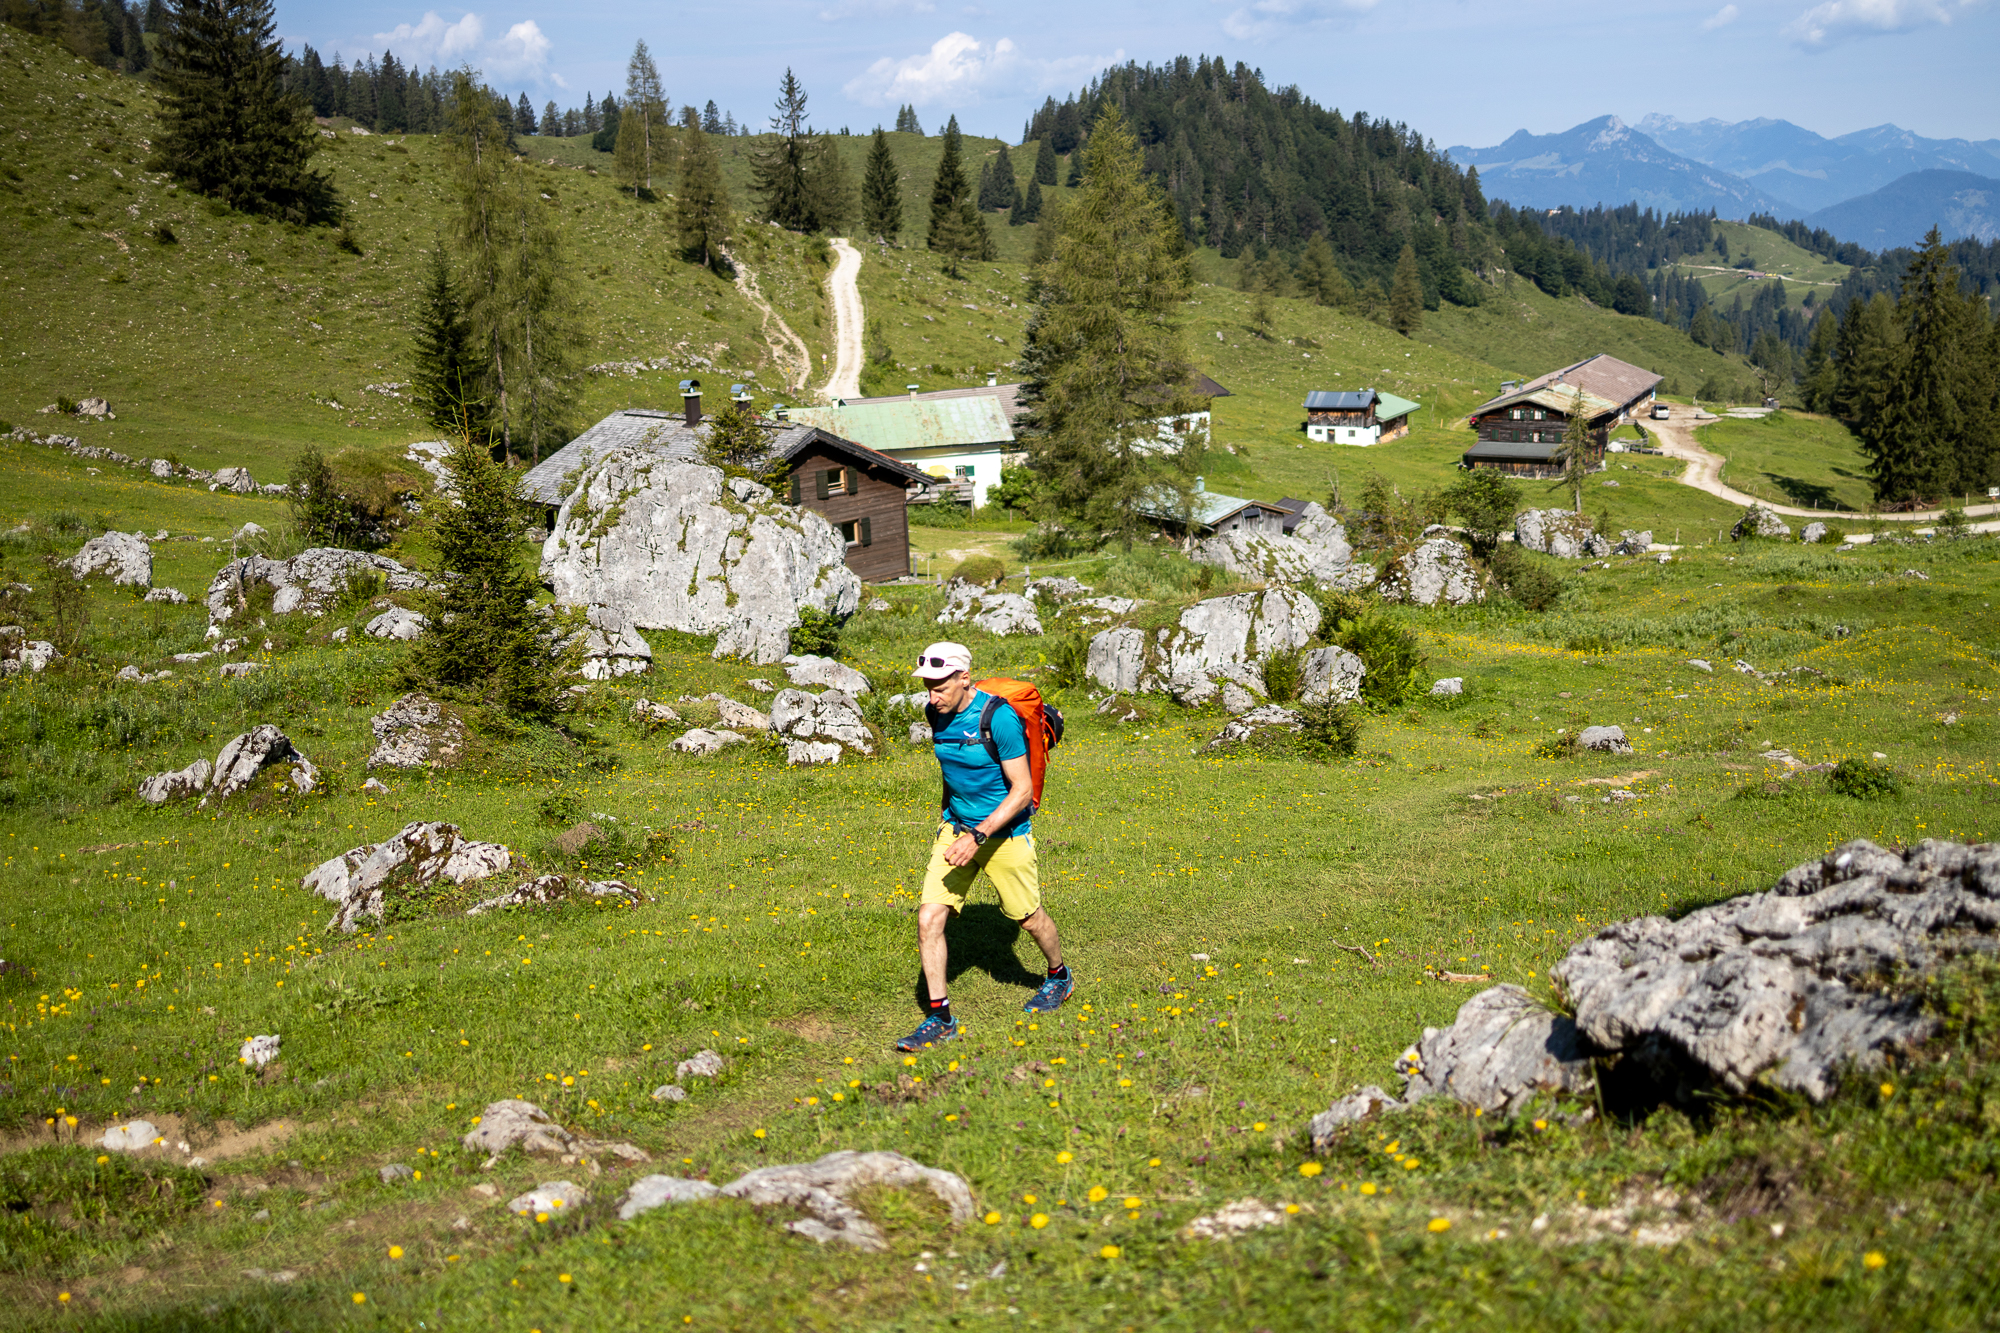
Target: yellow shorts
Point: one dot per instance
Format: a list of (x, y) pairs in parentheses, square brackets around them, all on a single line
[(1008, 862)]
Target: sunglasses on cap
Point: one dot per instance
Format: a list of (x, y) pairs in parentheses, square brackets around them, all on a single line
[(933, 661)]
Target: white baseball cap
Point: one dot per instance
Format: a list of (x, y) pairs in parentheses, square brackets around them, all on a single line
[(941, 660)]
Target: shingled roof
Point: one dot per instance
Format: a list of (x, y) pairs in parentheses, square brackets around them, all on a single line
[(1606, 377)]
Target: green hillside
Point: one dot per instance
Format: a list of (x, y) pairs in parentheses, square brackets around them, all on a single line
[(1803, 272)]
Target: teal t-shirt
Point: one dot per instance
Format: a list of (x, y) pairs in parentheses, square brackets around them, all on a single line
[(975, 785)]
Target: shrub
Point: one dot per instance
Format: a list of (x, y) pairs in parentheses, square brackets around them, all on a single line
[(941, 514), (1393, 659), (982, 569), (1862, 780), (1329, 731), (817, 633), (1049, 541), (1281, 675), (1068, 662), (1834, 537), (164, 235), (1562, 747), (1335, 609), (1595, 644), (1524, 578)]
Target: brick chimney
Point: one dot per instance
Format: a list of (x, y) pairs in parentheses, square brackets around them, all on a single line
[(691, 401)]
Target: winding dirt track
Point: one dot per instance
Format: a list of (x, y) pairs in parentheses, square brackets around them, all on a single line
[(1704, 473), (843, 286), (794, 358)]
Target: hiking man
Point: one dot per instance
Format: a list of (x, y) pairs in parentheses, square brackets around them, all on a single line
[(984, 826)]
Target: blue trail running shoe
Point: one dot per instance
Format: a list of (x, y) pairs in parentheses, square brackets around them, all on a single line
[(933, 1031), (1051, 994)]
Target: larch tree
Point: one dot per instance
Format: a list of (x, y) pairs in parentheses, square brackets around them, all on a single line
[(1406, 295), (645, 94), (1106, 356), (881, 192), (447, 374), (701, 205), (229, 129), (629, 155), (784, 195), (1575, 450)]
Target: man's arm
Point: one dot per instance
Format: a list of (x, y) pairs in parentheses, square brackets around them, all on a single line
[(1020, 792)]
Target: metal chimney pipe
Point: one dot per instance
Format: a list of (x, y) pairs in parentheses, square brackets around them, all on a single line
[(691, 401), (992, 380), (912, 388)]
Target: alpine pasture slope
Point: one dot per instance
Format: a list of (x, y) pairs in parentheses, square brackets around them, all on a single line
[(1253, 935)]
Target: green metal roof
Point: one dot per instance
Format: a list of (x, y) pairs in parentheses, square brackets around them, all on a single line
[(913, 423), (1388, 406), (1209, 508)]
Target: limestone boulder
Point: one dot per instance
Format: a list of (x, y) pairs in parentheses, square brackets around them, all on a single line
[(650, 714), (125, 556), (1503, 1052), (1060, 589), (178, 785), (421, 853), (1451, 687), (825, 673), (1331, 675), (1632, 543), (704, 741), (171, 596), (650, 1192), (1438, 572), (611, 645), (998, 613), (811, 722), (1557, 532), (512, 1123), (668, 544), (545, 890), (19, 653), (1814, 532), (824, 1191), (1609, 740), (1315, 552), (1252, 724), (1758, 521), (237, 479), (396, 623), (246, 758), (416, 731), (308, 582), (1223, 638), (739, 716)]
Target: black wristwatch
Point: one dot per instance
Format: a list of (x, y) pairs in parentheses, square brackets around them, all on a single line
[(978, 838)]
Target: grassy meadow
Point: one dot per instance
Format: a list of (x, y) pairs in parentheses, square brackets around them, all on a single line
[(1254, 933)]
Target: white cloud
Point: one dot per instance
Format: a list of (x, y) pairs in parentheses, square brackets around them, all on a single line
[(1265, 18), (1721, 18), (1835, 21), (959, 68), (521, 52)]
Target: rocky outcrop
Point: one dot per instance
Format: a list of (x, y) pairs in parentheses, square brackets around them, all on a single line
[(308, 582), (176, 786), (245, 758), (236, 479), (419, 854), (1632, 543), (819, 728), (1451, 687), (545, 890), (1223, 638), (1253, 724), (171, 596), (611, 645), (824, 673), (397, 623), (1316, 551), (1503, 1052), (998, 613), (416, 731), (824, 1191), (125, 556), (1758, 521), (1330, 676), (1813, 532), (649, 714), (19, 653), (667, 543), (1436, 573), (1560, 533), (738, 716), (704, 740), (1060, 589), (1610, 740)]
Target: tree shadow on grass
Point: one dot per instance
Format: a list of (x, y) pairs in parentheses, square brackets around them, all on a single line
[(983, 938), (1805, 494)]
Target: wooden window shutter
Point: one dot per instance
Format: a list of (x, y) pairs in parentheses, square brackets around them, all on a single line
[(867, 532), (819, 483), (795, 488), (851, 481)]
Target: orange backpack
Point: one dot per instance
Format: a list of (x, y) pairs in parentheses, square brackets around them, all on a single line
[(1039, 718)]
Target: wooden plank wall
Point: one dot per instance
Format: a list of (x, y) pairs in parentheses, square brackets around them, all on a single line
[(881, 500)]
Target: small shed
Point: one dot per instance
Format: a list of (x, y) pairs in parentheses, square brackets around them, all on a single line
[(1214, 512)]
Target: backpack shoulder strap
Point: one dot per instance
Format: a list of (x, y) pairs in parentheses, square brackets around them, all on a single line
[(993, 703)]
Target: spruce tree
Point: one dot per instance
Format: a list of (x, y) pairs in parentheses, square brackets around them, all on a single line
[(628, 153), (551, 121), (1029, 209), (1406, 295), (1821, 379), (1106, 357), (591, 123), (829, 187), (957, 231), (609, 117), (228, 127), (1320, 275), (784, 195), (645, 95), (1005, 194), (448, 366), (1075, 169), (1045, 163), (361, 93), (881, 192), (1932, 433), (485, 642), (701, 205)]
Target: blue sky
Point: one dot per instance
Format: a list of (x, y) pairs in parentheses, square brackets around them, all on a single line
[(1456, 71)]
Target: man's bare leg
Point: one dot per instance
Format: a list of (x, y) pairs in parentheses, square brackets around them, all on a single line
[(931, 919), (1041, 927)]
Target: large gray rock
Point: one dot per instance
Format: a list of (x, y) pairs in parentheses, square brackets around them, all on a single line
[(1223, 638), (1361, 1105), (1331, 675), (1557, 532), (544, 890), (1502, 1052), (1814, 532), (244, 758), (237, 479), (612, 645), (189, 781), (125, 556), (170, 596), (704, 740), (416, 731), (650, 1192), (824, 1189), (826, 674), (1451, 687), (1250, 725), (397, 623), (307, 582), (739, 716), (1316, 551), (1760, 522), (419, 854), (668, 544), (1632, 543), (998, 613), (1610, 740), (1788, 985), (1436, 573), (512, 1123), (831, 717)]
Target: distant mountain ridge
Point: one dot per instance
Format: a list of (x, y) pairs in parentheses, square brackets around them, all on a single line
[(1605, 161), (1808, 171), (1958, 203)]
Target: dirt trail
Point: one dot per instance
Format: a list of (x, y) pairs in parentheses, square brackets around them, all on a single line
[(789, 350), (842, 285), (1704, 472)]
